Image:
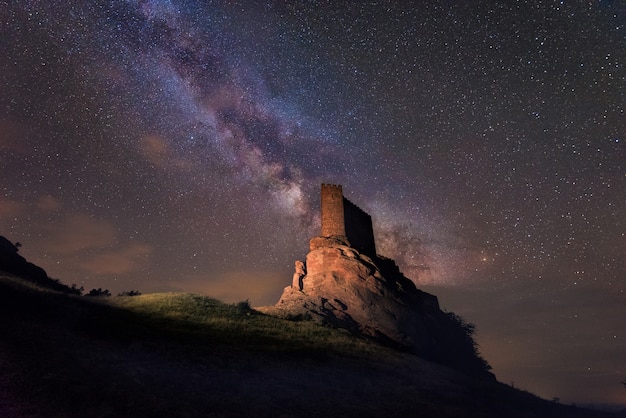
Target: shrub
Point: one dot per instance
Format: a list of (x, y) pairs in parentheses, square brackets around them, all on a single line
[(130, 293), (243, 307), (99, 292), (460, 335), (75, 290)]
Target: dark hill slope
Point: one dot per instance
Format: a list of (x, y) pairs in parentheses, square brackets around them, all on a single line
[(183, 355), (13, 263)]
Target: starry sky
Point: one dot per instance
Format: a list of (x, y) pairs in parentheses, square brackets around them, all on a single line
[(158, 145)]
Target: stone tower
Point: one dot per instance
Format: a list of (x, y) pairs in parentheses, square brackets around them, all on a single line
[(344, 218), (332, 211)]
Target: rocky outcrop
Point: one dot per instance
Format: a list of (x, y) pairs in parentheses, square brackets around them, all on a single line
[(338, 286)]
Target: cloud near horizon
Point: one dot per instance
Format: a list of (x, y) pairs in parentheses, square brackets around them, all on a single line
[(126, 259), (77, 232)]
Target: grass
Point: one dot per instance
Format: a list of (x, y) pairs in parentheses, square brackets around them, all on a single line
[(214, 322), (186, 355)]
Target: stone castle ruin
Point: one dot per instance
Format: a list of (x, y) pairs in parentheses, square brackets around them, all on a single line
[(340, 217), (343, 283)]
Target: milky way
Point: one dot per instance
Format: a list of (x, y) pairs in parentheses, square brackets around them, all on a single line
[(165, 145)]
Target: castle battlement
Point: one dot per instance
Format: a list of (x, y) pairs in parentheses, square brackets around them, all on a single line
[(344, 218)]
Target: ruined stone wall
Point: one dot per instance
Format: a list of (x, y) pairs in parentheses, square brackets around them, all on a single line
[(332, 211), (359, 230), (342, 217)]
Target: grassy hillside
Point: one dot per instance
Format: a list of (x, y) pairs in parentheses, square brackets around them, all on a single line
[(185, 355)]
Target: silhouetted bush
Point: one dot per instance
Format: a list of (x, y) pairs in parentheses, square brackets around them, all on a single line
[(99, 292), (130, 293), (459, 337), (243, 307), (76, 290)]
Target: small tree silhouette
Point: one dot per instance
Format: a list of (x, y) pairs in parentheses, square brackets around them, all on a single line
[(460, 335), (99, 292)]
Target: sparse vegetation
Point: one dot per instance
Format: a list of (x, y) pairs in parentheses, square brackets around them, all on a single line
[(99, 292), (208, 318), (130, 293), (75, 290)]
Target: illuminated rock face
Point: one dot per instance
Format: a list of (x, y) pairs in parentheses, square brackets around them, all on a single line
[(342, 287)]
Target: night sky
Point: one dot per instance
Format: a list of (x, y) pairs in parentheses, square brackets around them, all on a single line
[(180, 146)]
